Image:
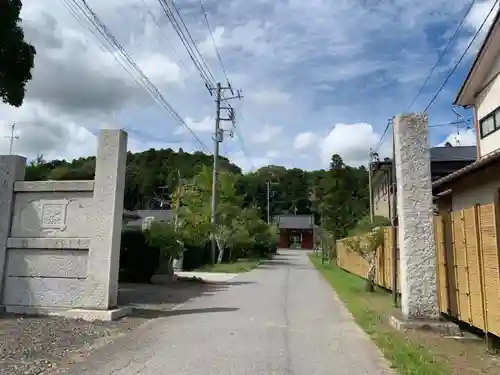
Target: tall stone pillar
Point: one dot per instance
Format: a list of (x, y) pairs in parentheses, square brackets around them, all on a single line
[(101, 289), (12, 169), (417, 267)]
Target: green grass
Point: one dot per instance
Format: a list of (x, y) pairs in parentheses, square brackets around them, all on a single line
[(241, 265), (371, 311)]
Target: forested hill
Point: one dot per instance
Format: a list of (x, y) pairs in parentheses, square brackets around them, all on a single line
[(339, 194), (152, 173)]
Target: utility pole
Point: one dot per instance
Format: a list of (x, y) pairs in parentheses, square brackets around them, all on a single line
[(268, 186), (370, 188), (394, 223), (178, 263), (180, 189), (459, 118), (12, 137), (218, 138)]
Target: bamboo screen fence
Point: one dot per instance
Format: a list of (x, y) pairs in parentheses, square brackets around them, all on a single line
[(468, 265)]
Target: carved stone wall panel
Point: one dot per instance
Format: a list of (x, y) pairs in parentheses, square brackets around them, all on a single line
[(67, 214)]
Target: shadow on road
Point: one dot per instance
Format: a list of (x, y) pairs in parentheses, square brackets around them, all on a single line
[(153, 301), (233, 283), (284, 261), (153, 314)]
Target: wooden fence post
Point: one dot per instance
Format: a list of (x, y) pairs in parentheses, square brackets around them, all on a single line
[(477, 227), (466, 256), (446, 260)]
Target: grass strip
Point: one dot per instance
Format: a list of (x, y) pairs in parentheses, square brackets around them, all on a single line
[(371, 312), (239, 266)]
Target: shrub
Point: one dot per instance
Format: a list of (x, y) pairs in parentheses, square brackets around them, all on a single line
[(167, 239), (138, 260), (364, 225), (196, 257)]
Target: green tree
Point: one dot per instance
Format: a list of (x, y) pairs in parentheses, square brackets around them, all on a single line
[(165, 237), (151, 175), (367, 246), (16, 55)]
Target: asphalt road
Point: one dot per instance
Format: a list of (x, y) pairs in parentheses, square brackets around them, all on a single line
[(280, 319)]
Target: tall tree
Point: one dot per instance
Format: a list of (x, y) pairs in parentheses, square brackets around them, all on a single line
[(16, 55), (151, 176)]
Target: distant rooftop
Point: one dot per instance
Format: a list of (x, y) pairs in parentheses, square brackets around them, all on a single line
[(160, 215), (448, 154), (295, 221), (455, 153)]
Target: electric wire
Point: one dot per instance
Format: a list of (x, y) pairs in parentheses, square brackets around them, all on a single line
[(135, 71), (188, 43), (461, 57), (157, 23), (223, 68), (442, 53), (192, 41)]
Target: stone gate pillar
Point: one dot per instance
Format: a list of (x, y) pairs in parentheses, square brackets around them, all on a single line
[(12, 169), (101, 288), (417, 267)]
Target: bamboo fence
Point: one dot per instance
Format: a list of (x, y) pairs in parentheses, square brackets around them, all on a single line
[(467, 260)]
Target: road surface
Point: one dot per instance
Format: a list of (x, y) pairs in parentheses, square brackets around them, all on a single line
[(279, 319)]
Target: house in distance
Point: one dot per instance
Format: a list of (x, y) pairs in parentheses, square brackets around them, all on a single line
[(296, 231)]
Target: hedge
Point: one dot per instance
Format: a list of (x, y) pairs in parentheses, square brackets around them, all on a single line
[(138, 260)]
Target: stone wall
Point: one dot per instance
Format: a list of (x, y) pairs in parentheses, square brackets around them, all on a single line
[(60, 240)]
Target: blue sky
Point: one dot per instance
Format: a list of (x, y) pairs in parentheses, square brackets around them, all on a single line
[(318, 77)]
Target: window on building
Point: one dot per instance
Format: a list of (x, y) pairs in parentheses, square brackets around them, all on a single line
[(497, 118), (490, 123)]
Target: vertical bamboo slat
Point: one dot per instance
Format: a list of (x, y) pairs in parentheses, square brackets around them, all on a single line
[(468, 265), (473, 271), (489, 221), (441, 264)]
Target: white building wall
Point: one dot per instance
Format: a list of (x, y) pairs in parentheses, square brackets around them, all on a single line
[(487, 101), (480, 194)]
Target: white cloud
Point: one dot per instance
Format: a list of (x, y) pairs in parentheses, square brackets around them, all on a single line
[(248, 164), (205, 125), (298, 71), (351, 141), (267, 134), (473, 22), (464, 138), (273, 154), (207, 47), (479, 12), (42, 131), (270, 97), (304, 140), (160, 69)]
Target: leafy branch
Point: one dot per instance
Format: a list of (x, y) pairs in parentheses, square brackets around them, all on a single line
[(366, 246)]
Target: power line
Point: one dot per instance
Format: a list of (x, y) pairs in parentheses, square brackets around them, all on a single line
[(188, 42), (192, 40), (443, 53), (148, 9), (239, 136), (213, 40), (450, 123), (389, 123), (137, 74), (170, 16), (241, 141), (194, 52), (461, 57)]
